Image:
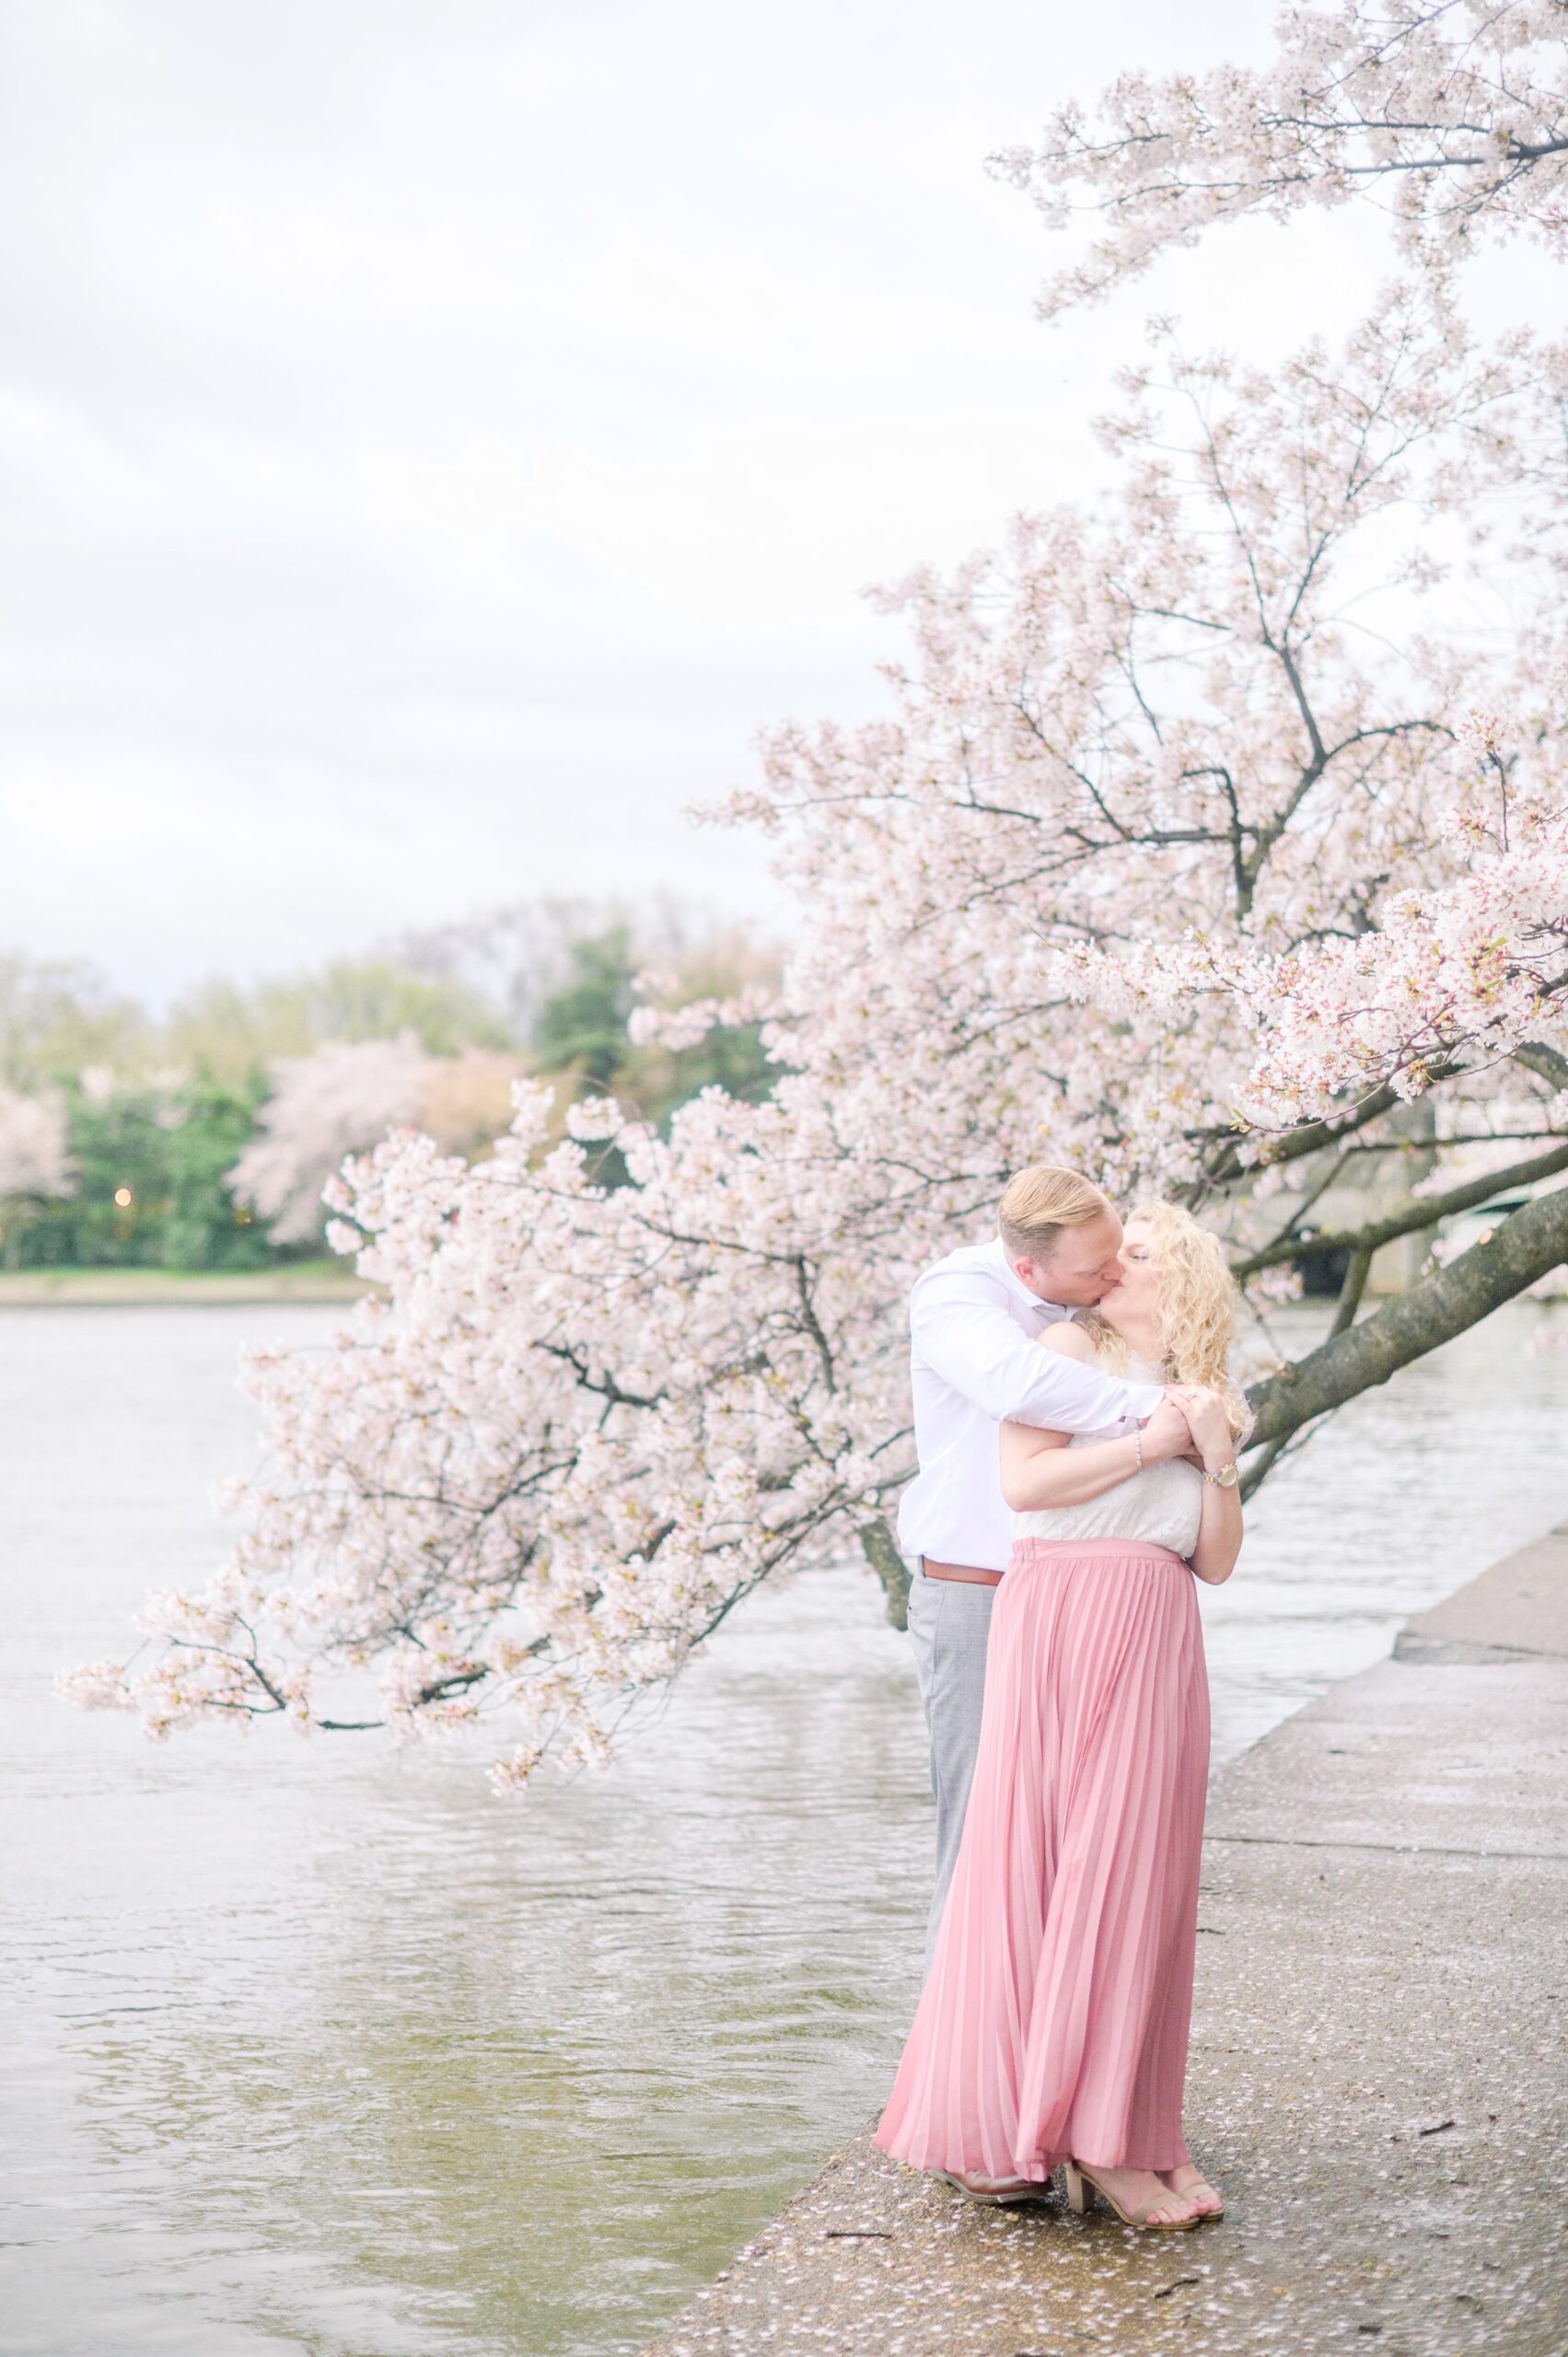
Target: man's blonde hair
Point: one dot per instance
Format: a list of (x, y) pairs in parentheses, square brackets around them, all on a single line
[(1038, 1204)]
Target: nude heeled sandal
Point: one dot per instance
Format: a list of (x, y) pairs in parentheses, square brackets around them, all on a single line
[(1080, 2179), (999, 2191), (1191, 2193)]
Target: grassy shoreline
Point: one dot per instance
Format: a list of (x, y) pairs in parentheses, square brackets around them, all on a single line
[(304, 1281)]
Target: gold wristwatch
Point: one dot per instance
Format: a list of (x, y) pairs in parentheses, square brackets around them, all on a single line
[(1226, 1479)]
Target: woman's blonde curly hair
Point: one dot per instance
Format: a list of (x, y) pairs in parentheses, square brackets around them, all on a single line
[(1198, 1308)]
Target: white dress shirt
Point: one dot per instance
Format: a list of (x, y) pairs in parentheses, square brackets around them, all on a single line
[(974, 1364)]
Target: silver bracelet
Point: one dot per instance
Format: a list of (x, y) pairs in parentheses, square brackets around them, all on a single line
[(1138, 1445)]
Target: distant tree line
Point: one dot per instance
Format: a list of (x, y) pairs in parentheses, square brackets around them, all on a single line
[(200, 1140)]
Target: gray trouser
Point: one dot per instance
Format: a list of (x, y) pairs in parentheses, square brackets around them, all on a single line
[(950, 1621)]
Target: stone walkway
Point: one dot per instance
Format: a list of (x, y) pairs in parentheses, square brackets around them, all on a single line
[(1378, 2080)]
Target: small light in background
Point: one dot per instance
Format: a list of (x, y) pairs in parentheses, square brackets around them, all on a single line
[(123, 1197)]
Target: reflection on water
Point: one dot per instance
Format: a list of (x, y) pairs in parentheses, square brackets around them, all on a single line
[(314, 2046)]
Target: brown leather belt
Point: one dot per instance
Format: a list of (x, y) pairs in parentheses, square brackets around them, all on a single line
[(971, 1572)]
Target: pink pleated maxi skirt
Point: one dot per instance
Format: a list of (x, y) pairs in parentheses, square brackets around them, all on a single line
[(1055, 2018)]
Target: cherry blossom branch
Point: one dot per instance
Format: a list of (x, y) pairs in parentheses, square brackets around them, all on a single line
[(881, 1552), (1308, 1137), (1520, 1250), (1544, 1062), (1409, 1221), (1460, 109)]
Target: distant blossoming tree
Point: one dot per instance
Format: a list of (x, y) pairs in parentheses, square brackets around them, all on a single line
[(344, 1097), (1206, 836), (336, 1101), (35, 1164), (33, 1156)]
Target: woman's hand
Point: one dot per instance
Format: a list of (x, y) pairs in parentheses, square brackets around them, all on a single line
[(1206, 1413), (1168, 1432)]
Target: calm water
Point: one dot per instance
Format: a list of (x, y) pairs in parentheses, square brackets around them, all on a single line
[(317, 2047)]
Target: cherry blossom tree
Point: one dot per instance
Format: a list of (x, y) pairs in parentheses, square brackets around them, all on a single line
[(1099, 888), (1453, 115), (1214, 841)]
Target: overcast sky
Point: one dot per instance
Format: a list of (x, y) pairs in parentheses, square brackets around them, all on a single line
[(436, 437)]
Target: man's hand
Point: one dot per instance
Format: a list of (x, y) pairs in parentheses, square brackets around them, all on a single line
[(1168, 1432)]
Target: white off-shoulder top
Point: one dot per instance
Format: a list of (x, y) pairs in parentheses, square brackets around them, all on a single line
[(1161, 1505)]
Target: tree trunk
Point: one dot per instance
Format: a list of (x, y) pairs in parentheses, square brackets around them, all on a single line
[(890, 1568), (1521, 1249)]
